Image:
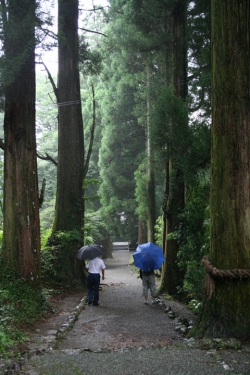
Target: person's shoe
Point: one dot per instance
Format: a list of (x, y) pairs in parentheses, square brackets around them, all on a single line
[(154, 303), (90, 302), (146, 303), (95, 304)]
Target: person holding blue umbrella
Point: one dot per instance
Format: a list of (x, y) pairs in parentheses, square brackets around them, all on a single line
[(148, 257), (148, 283)]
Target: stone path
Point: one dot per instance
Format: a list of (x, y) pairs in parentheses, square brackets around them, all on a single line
[(122, 336)]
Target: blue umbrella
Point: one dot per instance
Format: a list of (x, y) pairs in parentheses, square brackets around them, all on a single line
[(148, 257)]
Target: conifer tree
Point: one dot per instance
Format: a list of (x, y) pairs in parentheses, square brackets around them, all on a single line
[(227, 285), (175, 182), (69, 196), (21, 242)]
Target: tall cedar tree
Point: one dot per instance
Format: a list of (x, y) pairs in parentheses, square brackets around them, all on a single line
[(174, 176), (226, 310), (150, 170), (21, 242), (69, 208), (148, 45)]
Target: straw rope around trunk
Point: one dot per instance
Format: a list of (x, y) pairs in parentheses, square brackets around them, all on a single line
[(213, 273)]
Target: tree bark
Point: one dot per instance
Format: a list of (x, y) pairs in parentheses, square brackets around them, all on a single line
[(171, 276), (142, 232), (69, 210), (165, 208), (150, 169), (108, 246), (21, 241), (226, 313)]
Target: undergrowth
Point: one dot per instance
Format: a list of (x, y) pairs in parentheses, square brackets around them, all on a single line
[(21, 305)]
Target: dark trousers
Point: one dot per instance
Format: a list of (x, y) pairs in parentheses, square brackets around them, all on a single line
[(93, 284)]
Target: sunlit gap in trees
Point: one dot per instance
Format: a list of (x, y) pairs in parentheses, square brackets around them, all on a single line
[(50, 57)]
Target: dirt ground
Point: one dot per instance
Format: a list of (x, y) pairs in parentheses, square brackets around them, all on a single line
[(121, 336)]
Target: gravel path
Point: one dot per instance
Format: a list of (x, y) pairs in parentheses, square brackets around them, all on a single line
[(122, 336)]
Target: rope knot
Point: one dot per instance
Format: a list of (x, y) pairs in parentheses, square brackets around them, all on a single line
[(213, 273)]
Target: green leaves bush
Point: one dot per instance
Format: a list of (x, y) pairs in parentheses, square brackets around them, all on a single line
[(195, 306), (21, 305), (193, 237), (5, 341), (58, 259)]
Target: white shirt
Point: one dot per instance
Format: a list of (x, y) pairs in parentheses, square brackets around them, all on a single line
[(95, 265)]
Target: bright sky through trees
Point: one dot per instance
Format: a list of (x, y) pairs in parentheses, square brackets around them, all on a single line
[(50, 58)]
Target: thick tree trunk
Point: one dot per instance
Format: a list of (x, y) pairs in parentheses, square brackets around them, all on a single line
[(170, 273), (21, 242), (108, 246), (150, 170), (226, 312), (171, 276), (165, 208), (142, 233), (69, 196)]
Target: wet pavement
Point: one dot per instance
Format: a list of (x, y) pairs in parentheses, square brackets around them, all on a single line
[(122, 336)]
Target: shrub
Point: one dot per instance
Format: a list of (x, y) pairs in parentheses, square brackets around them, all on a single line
[(21, 305), (58, 260), (193, 237)]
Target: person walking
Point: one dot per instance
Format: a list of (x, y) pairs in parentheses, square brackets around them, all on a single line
[(94, 267), (148, 282)]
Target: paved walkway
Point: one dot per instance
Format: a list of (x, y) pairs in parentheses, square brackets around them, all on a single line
[(122, 336)]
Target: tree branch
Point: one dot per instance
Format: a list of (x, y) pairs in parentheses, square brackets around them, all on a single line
[(94, 9), (50, 33), (41, 197), (4, 14), (198, 74), (201, 100), (94, 32), (47, 158), (2, 144), (55, 89), (86, 166)]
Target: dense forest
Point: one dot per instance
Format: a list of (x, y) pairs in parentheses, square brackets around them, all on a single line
[(141, 134)]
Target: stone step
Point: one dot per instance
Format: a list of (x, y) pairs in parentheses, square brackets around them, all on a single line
[(120, 246)]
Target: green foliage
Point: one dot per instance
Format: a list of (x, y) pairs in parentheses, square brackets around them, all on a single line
[(94, 228), (91, 197), (88, 181), (170, 133), (58, 259), (193, 236), (1, 238), (51, 270), (199, 47), (195, 306), (120, 154), (1, 191), (90, 60), (21, 305), (141, 180), (45, 234), (21, 40), (47, 213), (158, 231), (47, 139), (172, 236), (65, 238), (5, 341)]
